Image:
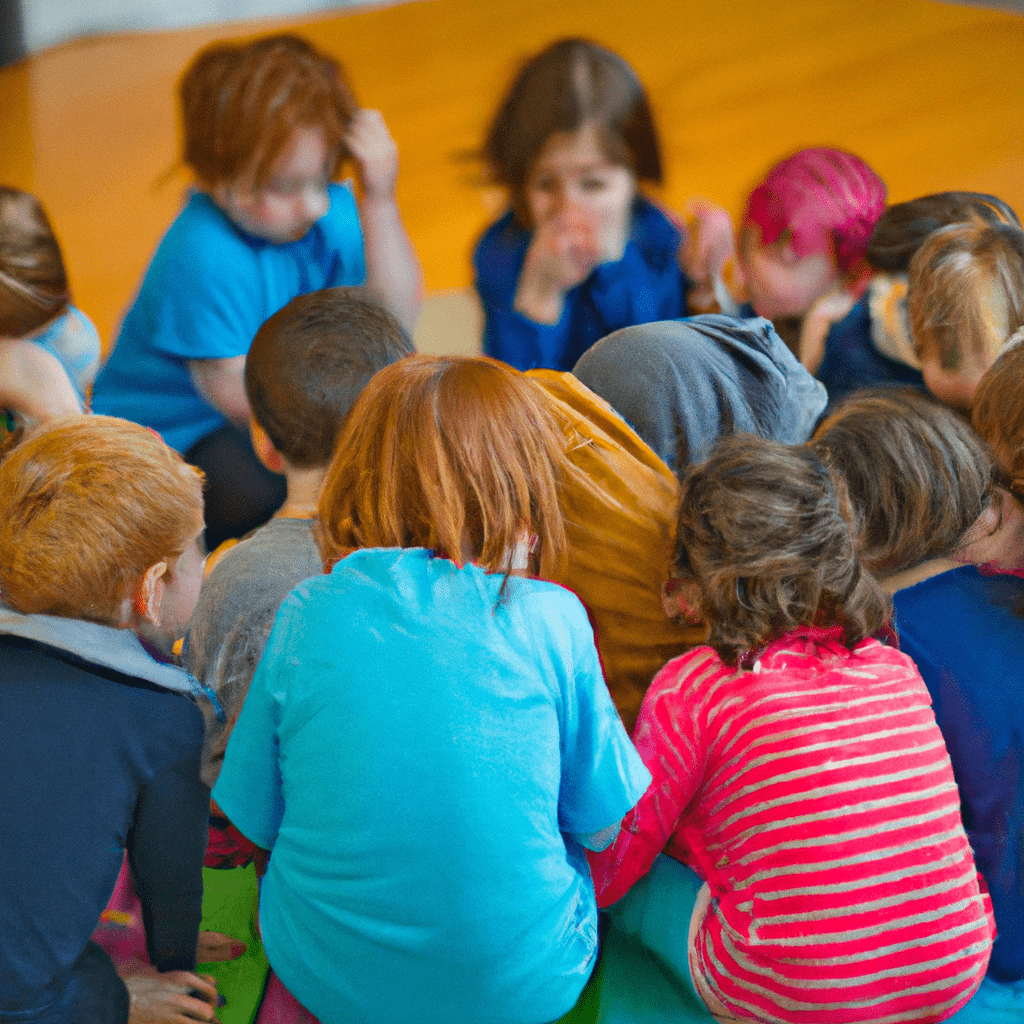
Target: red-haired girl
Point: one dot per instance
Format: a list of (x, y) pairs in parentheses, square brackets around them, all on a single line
[(428, 744), (267, 127)]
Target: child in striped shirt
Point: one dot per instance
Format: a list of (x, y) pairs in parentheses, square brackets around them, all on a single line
[(798, 770)]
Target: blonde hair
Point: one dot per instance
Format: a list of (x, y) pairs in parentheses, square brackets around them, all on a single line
[(87, 505), (451, 453)]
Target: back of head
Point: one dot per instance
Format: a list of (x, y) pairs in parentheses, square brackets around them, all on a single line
[(904, 226), (308, 364), (966, 292), (764, 531), (241, 103), (456, 454), (917, 475), (827, 200), (998, 413), (33, 282), (572, 83), (87, 505)]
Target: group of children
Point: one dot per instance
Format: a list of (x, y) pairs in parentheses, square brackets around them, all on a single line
[(394, 684)]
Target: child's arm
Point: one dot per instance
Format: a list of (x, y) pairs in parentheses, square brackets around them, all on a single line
[(832, 307), (392, 267), (709, 243), (222, 383), (33, 383)]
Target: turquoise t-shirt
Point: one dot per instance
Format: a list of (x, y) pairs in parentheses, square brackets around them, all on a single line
[(419, 754), (208, 290)]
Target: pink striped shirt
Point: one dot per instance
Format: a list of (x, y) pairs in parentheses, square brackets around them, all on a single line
[(815, 796)]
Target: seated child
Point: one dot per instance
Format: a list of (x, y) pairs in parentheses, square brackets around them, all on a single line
[(965, 298), (581, 252), (307, 365), (428, 744), (267, 128), (798, 769), (101, 556), (49, 351)]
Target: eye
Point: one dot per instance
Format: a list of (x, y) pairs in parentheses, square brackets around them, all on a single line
[(593, 183), (544, 183)]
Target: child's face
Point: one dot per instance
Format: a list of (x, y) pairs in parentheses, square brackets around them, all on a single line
[(780, 283), (573, 180), (295, 196), (954, 386)]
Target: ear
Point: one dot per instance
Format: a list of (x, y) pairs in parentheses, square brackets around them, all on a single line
[(264, 447), (149, 592)]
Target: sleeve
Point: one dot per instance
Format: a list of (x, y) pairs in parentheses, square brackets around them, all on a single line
[(668, 740), (248, 789), (165, 849), (343, 234), (602, 776)]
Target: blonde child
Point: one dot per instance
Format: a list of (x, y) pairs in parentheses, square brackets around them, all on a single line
[(581, 252), (428, 744), (267, 127), (798, 771)]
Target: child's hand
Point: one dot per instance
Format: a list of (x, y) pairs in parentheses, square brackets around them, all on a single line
[(562, 253), (214, 947), (375, 154), (709, 244), (818, 321), (177, 997)]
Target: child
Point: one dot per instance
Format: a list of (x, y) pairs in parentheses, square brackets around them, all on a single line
[(581, 253), (101, 556), (428, 743), (307, 365), (964, 299), (49, 351), (798, 769), (267, 126)]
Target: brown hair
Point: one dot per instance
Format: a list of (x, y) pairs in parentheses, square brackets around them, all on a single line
[(918, 477), (87, 505), (33, 282), (446, 451), (998, 412), (966, 291), (764, 531), (904, 226), (241, 102), (309, 362), (571, 83)]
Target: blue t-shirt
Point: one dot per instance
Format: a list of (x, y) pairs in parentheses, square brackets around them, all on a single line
[(208, 290), (419, 751), (965, 632), (647, 284), (74, 341)]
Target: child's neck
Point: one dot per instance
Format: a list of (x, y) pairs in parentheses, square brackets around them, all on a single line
[(303, 492)]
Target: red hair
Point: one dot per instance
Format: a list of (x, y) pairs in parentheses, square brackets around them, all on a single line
[(87, 505), (241, 103)]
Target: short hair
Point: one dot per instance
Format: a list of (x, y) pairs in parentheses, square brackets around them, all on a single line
[(918, 477), (33, 281), (966, 291), (241, 102), (998, 411), (764, 530), (904, 226), (825, 200), (444, 452), (565, 86), (309, 362), (87, 505)]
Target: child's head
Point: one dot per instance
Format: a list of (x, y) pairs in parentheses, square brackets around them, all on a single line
[(263, 128), (33, 282), (918, 477), (457, 454), (806, 229), (764, 534), (998, 413), (965, 298), (580, 108), (308, 364), (100, 520)]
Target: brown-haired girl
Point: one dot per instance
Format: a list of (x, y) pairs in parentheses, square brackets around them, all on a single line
[(428, 744), (581, 253), (49, 351), (267, 127), (798, 770)]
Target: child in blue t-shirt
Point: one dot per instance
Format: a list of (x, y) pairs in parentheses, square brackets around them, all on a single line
[(428, 743), (267, 126)]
